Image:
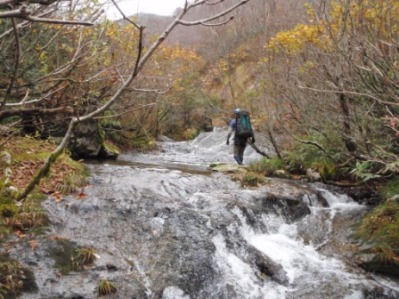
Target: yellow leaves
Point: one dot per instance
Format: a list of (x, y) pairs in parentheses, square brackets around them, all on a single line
[(223, 66), (43, 56), (379, 17), (181, 54), (294, 41)]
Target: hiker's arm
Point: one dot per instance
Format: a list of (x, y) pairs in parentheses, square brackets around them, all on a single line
[(229, 135)]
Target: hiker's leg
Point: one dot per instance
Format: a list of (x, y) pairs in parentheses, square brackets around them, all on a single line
[(237, 155), (241, 154)]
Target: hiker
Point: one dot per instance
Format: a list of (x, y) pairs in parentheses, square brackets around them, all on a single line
[(241, 126)]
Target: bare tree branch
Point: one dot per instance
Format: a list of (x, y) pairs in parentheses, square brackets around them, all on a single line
[(221, 14), (124, 16), (22, 13), (370, 96)]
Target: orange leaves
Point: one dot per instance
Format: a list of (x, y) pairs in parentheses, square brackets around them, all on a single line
[(24, 171), (33, 244), (81, 195), (57, 196)]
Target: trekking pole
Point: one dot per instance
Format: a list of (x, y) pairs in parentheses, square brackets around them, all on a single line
[(258, 150)]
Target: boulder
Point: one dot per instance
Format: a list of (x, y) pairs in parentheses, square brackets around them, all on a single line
[(88, 142), (312, 175)]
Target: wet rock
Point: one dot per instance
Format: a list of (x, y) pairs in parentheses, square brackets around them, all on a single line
[(292, 208), (111, 267), (313, 175), (379, 293), (364, 195), (226, 168), (268, 267), (88, 142), (372, 263)]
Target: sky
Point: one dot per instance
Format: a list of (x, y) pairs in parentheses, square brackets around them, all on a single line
[(131, 7)]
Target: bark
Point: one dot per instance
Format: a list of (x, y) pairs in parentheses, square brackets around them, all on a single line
[(347, 132)]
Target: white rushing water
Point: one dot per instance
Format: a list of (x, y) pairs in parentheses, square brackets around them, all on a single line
[(307, 270), (310, 273)]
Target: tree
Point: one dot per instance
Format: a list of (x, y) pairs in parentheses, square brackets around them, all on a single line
[(337, 82)]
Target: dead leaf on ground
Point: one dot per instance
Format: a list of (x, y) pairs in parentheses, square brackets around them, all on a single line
[(33, 244), (57, 196), (19, 234), (81, 195)]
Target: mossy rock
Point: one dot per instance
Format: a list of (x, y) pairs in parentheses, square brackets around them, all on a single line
[(227, 168), (62, 252), (108, 151), (69, 257)]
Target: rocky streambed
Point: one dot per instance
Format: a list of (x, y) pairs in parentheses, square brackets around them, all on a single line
[(163, 225)]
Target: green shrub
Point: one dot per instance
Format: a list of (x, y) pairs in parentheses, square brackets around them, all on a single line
[(105, 287), (68, 257), (190, 133), (325, 168), (83, 256), (267, 166), (249, 178)]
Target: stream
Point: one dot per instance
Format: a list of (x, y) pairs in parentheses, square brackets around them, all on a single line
[(165, 226)]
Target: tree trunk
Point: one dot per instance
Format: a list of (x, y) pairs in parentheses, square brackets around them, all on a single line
[(347, 132)]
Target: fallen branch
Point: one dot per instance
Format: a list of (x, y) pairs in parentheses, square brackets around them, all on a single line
[(258, 150)]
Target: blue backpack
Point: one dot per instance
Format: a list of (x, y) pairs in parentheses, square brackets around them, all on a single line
[(243, 125)]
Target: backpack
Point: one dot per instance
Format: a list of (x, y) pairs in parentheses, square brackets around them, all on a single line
[(243, 125)]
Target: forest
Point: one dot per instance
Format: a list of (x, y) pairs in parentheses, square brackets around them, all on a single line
[(320, 79)]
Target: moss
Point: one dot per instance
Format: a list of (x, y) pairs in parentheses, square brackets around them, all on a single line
[(8, 210), (30, 216), (69, 257), (62, 252), (380, 228), (252, 179), (390, 188), (27, 217), (249, 178), (66, 176), (14, 279), (109, 146), (143, 144), (267, 166), (190, 134)]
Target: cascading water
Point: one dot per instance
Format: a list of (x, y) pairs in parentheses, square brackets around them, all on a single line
[(166, 227)]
